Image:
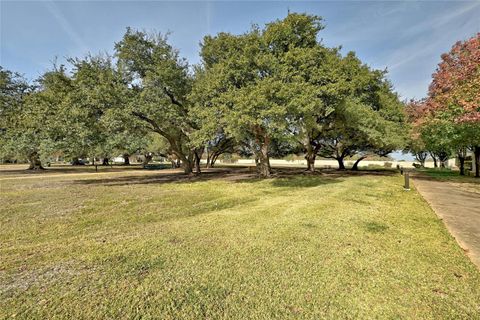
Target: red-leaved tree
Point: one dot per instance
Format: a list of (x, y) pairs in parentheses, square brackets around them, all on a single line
[(456, 82), (455, 94), (448, 120)]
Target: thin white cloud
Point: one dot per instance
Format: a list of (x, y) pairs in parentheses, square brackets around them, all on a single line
[(442, 20), (66, 26), (419, 47), (209, 14)]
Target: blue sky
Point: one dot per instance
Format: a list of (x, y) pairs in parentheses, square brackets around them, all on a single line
[(405, 37)]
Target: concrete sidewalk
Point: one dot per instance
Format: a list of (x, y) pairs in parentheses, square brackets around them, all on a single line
[(458, 208)]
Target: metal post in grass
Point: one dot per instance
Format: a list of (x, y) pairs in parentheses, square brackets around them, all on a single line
[(407, 181)]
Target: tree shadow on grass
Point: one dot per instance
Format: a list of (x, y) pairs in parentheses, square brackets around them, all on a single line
[(298, 181), (165, 178), (68, 169), (282, 178)]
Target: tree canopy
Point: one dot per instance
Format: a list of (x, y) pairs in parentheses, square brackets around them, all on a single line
[(270, 91), (448, 121)]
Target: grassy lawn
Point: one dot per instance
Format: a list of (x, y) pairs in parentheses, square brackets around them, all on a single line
[(139, 246), (448, 174)]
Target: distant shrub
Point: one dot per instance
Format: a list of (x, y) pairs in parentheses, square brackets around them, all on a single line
[(387, 164)]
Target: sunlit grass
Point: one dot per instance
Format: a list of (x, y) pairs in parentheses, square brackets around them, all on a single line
[(301, 247)]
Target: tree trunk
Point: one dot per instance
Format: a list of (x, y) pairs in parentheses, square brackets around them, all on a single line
[(263, 162), (76, 162), (105, 162), (462, 165), (208, 159), (213, 160), (421, 157), (187, 167), (34, 162), (435, 164), (146, 159), (310, 157), (126, 157), (355, 165), (443, 158), (263, 167), (341, 165), (197, 163), (476, 152)]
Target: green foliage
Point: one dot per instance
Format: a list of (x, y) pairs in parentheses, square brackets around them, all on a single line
[(369, 119), (160, 82), (279, 84), (271, 91), (30, 117)]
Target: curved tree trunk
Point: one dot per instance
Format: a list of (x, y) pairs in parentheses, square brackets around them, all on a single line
[(209, 158), (34, 162), (213, 159), (355, 165), (341, 164), (421, 157), (434, 157), (443, 158)]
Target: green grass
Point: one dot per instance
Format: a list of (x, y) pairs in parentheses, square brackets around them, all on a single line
[(130, 247), (448, 174)]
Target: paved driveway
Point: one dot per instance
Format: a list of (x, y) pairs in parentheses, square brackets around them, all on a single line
[(458, 207)]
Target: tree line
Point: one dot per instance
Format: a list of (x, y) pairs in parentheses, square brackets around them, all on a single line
[(271, 91)]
